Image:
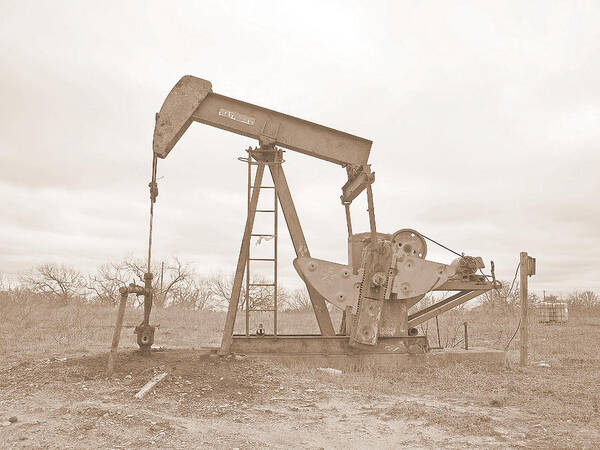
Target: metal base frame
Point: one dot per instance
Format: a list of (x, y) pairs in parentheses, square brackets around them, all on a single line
[(325, 345)]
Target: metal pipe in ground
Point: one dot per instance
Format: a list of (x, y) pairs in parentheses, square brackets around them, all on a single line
[(112, 356), (466, 336)]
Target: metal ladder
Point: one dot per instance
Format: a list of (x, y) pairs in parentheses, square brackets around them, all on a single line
[(248, 306)]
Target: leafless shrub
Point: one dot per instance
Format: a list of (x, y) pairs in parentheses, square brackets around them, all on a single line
[(168, 275), (428, 300), (505, 297), (173, 275), (17, 305), (191, 293), (447, 330), (299, 301), (283, 298), (105, 283), (261, 297), (220, 286), (453, 326), (59, 282), (583, 300)]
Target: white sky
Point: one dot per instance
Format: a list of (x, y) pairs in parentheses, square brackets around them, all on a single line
[(485, 118)]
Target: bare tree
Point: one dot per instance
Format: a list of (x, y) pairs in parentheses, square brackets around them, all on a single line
[(504, 296), (175, 274), (284, 297), (585, 299), (136, 268), (167, 276), (105, 283), (192, 293), (428, 300), (261, 294), (220, 286), (61, 282), (299, 301), (261, 297)]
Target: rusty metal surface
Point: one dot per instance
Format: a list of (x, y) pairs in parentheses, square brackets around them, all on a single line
[(112, 356), (393, 276), (275, 128), (356, 246), (192, 100), (377, 260), (175, 115), (409, 242), (415, 276), (441, 307), (310, 344), (144, 336), (358, 179), (386, 274), (410, 276), (335, 282), (460, 285), (394, 319), (144, 331)]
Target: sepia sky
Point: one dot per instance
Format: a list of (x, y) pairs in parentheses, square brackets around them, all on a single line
[(484, 117)]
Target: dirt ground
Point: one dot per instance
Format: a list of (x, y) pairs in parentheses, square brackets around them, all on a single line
[(67, 401), (242, 403)]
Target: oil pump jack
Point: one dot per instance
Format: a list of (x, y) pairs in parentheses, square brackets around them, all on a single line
[(386, 274)]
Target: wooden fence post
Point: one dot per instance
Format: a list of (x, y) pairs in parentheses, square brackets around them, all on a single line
[(527, 269), (524, 306)]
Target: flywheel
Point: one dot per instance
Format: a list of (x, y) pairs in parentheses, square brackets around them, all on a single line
[(409, 242)]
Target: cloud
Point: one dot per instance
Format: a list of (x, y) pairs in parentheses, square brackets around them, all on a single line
[(485, 121)]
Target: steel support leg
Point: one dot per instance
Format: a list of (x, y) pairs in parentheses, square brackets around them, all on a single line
[(241, 265), (300, 246)]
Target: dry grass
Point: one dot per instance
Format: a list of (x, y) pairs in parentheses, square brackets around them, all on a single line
[(34, 327), (554, 398), (560, 398)]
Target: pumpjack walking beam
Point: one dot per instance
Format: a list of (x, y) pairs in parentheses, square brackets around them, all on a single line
[(192, 99)]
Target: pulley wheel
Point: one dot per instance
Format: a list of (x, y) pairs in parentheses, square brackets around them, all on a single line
[(409, 242)]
